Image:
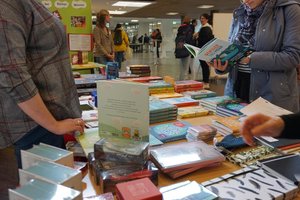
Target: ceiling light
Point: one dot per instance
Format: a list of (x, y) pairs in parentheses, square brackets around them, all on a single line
[(172, 13), (206, 6), (134, 20), (137, 4), (158, 22), (117, 12), (150, 17)]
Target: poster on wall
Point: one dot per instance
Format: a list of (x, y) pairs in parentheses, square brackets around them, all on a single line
[(80, 42)]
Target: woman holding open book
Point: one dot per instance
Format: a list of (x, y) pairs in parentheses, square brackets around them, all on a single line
[(271, 28)]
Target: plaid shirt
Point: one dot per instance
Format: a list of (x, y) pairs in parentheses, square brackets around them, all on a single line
[(33, 59)]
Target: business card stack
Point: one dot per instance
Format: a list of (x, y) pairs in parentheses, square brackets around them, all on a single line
[(161, 111)]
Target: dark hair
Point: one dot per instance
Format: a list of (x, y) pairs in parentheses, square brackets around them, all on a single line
[(206, 16), (118, 26)]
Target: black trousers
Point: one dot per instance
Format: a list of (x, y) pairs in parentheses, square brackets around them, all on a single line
[(242, 86), (205, 71)]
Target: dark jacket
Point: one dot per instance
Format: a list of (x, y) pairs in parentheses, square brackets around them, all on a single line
[(205, 35)]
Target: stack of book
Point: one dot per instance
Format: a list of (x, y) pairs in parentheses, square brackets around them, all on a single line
[(170, 131), (227, 125), (230, 109), (187, 85), (157, 87), (202, 132), (117, 160), (161, 111), (182, 101), (187, 190), (253, 183), (90, 117), (167, 95), (192, 111), (179, 159), (212, 102), (145, 79), (200, 94), (141, 70)]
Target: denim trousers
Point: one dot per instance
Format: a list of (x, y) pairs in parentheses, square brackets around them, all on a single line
[(36, 136)]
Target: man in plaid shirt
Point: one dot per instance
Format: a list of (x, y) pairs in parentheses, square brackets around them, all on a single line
[(38, 98)]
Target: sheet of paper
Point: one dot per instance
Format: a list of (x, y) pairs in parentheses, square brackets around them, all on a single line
[(263, 106)]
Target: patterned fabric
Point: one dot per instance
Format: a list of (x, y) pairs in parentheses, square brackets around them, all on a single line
[(33, 59)]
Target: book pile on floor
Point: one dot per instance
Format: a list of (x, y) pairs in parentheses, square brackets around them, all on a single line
[(230, 109), (211, 103), (47, 172), (227, 125), (157, 87), (141, 70), (161, 111), (202, 132), (171, 131), (200, 94), (192, 111), (117, 160), (176, 160), (187, 85), (182, 101)]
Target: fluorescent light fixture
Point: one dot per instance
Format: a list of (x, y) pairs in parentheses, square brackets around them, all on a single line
[(137, 4), (117, 12), (134, 20), (174, 22), (206, 6), (126, 23), (150, 17), (172, 13), (158, 22)]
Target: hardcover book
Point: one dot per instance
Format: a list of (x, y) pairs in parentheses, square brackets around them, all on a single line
[(187, 190), (286, 167), (170, 131), (252, 185), (219, 49), (185, 155), (37, 189)]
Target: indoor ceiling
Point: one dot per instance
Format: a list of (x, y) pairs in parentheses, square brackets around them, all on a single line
[(160, 8)]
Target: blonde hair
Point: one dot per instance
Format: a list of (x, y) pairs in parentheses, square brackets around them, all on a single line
[(101, 15)]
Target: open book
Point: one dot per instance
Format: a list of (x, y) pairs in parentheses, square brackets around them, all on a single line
[(219, 49)]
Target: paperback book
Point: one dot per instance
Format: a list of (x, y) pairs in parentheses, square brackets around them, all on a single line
[(192, 111), (200, 94), (182, 101), (217, 49), (170, 131)]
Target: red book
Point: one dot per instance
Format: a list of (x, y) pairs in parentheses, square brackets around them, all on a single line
[(140, 189)]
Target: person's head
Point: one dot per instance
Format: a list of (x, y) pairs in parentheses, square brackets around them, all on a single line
[(103, 17), (157, 30), (186, 20), (252, 4), (204, 18), (118, 26), (194, 22)]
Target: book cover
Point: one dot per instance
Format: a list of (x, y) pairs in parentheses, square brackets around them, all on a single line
[(89, 115), (219, 49), (123, 110), (158, 106), (167, 95), (145, 79), (192, 111), (252, 184), (229, 124), (112, 70), (231, 108), (170, 131), (140, 189), (200, 94), (188, 84), (105, 196), (182, 101), (185, 155), (187, 190), (281, 143), (286, 167)]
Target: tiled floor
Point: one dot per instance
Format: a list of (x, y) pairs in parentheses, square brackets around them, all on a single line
[(167, 65)]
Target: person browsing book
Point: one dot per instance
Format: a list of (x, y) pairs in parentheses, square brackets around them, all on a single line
[(38, 97), (104, 44), (285, 126), (271, 28)]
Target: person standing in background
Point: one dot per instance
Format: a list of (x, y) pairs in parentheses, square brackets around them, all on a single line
[(271, 28), (38, 96), (146, 42), (184, 35), (205, 34), (158, 38), (121, 43), (104, 45)]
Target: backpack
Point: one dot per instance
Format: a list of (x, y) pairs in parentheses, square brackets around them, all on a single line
[(184, 35), (118, 37)]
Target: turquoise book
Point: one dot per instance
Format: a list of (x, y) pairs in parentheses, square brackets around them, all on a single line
[(156, 106), (37, 189), (170, 131)]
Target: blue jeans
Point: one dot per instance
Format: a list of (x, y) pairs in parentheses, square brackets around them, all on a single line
[(101, 59), (36, 136), (119, 57)]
